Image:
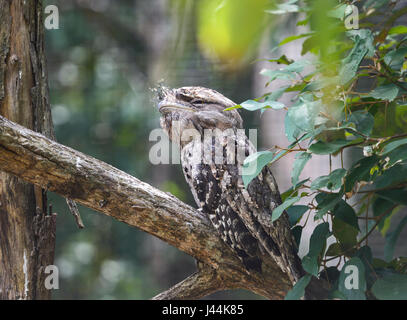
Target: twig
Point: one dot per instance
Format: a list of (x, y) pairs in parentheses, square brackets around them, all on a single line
[(73, 207)]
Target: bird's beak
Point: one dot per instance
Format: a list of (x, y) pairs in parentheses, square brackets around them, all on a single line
[(168, 106)]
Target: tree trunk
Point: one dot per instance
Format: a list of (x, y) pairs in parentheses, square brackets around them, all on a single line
[(27, 233)]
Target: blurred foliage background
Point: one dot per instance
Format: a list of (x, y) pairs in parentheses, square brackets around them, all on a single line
[(103, 62)]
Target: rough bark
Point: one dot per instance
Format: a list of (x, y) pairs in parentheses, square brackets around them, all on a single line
[(27, 233), (198, 285), (97, 185)]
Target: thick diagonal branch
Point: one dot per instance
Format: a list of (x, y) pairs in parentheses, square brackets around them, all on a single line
[(100, 186)]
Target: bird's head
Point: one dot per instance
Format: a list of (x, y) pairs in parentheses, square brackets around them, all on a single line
[(195, 108)]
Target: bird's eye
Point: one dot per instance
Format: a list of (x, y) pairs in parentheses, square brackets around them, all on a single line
[(183, 97), (198, 102)]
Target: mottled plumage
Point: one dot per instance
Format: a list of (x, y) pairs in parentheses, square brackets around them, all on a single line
[(211, 167)]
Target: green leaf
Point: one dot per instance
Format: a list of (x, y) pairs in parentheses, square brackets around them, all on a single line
[(310, 45), (345, 233), (297, 66), (298, 291), (253, 164), (395, 58), (292, 132), (295, 213), (392, 176), (363, 46), (391, 287), (330, 274), (385, 92), (277, 212), (303, 22), (399, 264), (366, 39), (315, 85), (277, 74), (393, 145), (297, 232), (379, 263), (345, 212), (321, 83), (252, 105), (292, 38), (326, 202), (334, 250), (352, 280), (304, 114), (360, 171), (310, 264), (293, 190), (301, 160), (276, 94), (363, 121), (338, 12), (316, 248), (365, 255), (320, 182), (381, 206), (397, 196), (398, 30), (282, 60), (397, 155), (337, 295), (321, 147), (332, 181), (385, 223), (391, 239)]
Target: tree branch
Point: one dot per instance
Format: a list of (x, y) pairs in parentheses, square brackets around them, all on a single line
[(99, 186), (197, 285)]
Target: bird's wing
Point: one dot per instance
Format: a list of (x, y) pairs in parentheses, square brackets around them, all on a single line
[(261, 197), (243, 215), (205, 183), (256, 203)]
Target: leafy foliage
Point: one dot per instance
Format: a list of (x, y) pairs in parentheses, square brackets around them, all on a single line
[(333, 110), (297, 292)]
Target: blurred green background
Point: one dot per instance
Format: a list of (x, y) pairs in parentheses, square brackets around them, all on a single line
[(102, 63)]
